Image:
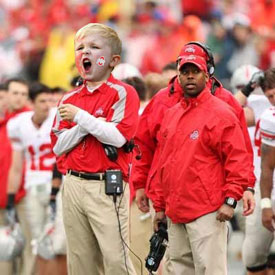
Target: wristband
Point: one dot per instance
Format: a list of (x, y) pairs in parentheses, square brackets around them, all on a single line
[(11, 201), (252, 190), (266, 203), (54, 191), (247, 90)]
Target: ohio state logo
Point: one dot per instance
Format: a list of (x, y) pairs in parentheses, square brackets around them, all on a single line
[(190, 57), (99, 112), (194, 134), (190, 50), (100, 61)]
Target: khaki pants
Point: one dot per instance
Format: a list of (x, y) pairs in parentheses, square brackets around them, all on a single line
[(92, 228), (199, 247)]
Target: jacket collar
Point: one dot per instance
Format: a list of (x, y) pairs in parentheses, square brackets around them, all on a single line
[(103, 88), (195, 101)]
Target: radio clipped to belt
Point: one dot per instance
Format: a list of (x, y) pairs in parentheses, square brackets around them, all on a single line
[(113, 183)]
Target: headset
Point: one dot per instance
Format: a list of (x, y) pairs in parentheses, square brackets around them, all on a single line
[(210, 62)]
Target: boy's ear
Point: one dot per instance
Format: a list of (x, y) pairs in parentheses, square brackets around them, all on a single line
[(115, 60)]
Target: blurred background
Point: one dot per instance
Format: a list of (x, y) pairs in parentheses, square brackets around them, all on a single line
[(36, 36)]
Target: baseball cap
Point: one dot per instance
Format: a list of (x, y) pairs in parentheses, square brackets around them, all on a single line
[(194, 59), (193, 49)]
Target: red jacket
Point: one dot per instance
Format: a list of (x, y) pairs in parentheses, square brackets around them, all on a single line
[(147, 137), (5, 160), (115, 101), (203, 158)]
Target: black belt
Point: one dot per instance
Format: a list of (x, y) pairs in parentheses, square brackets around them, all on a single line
[(87, 176)]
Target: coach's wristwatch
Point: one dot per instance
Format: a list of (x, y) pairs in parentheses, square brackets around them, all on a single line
[(231, 202)]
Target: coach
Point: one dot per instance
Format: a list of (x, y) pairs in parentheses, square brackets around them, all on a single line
[(202, 176)]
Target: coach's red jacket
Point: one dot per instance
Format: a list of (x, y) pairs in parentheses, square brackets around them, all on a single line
[(203, 158), (147, 137)]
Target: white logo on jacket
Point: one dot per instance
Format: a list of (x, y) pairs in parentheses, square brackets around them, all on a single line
[(194, 134), (99, 112)]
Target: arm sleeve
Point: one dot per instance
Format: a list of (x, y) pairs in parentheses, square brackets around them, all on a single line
[(159, 196), (267, 127), (68, 139), (146, 144), (252, 178), (236, 160), (105, 132), (64, 136), (13, 132)]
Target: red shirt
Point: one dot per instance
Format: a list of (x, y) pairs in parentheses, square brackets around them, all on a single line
[(115, 101), (207, 161), (6, 158)]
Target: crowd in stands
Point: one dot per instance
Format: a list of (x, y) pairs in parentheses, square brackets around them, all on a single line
[(35, 35)]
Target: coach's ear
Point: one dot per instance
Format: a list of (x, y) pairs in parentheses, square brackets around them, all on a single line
[(114, 60)]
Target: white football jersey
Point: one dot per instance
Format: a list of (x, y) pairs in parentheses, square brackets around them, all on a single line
[(267, 126), (258, 103), (36, 146), (267, 129)]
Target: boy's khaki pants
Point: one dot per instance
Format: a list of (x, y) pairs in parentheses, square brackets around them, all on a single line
[(92, 228)]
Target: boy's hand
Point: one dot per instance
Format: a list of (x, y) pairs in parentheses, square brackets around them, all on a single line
[(68, 111)]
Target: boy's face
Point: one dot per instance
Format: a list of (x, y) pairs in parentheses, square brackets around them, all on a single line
[(93, 57)]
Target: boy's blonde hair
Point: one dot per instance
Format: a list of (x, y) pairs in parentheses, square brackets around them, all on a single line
[(105, 31)]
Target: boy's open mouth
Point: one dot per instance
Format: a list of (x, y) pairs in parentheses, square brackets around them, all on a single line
[(87, 64)]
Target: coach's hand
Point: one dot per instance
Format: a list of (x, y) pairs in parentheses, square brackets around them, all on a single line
[(225, 213), (159, 217), (142, 200), (68, 111)]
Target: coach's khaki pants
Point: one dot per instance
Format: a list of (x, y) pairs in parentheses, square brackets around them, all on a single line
[(92, 229), (199, 247)]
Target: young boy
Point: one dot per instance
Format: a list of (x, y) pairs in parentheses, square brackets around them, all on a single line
[(102, 111)]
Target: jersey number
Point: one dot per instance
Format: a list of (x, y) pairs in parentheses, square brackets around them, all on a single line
[(42, 157)]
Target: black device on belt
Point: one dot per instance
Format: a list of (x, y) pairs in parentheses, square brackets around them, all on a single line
[(113, 182), (87, 176)]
